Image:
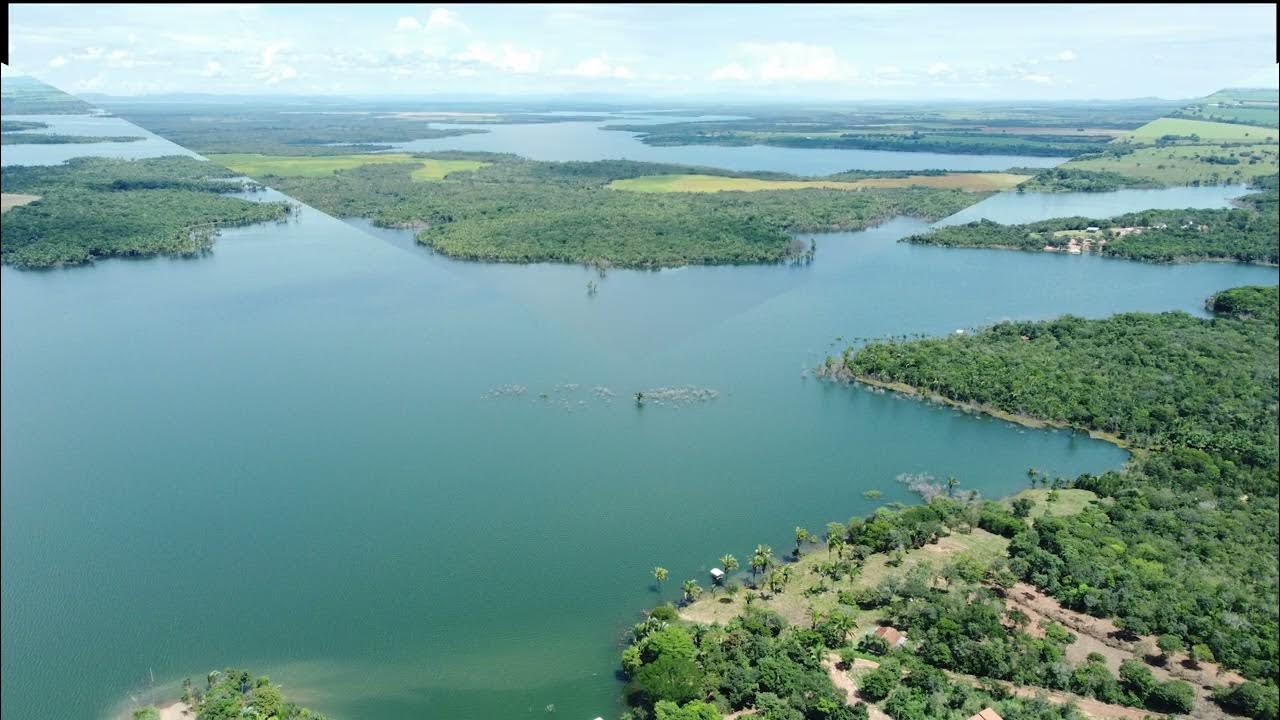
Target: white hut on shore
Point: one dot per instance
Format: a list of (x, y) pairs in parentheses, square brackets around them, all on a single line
[(717, 575)]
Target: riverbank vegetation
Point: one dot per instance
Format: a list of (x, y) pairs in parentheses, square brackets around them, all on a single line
[(1037, 129), (20, 126), (1198, 507), (235, 694), (31, 138), (282, 130), (1247, 234), (92, 208), (971, 181), (517, 210)]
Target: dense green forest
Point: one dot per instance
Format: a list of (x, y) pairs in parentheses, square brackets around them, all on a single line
[(20, 125), (913, 139), (221, 129), (1061, 179), (518, 210), (683, 671), (1186, 541), (234, 694), (1250, 234), (96, 207), (27, 138)]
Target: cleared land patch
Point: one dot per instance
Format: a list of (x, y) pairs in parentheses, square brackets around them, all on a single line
[(9, 201), (973, 182), (1206, 130), (255, 165)]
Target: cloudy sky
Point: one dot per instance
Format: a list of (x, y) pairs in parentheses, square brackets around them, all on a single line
[(830, 51)]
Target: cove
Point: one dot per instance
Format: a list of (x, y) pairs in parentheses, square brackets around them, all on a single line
[(309, 453)]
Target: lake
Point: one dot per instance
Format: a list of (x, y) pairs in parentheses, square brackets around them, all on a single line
[(91, 125), (409, 487), (587, 141)]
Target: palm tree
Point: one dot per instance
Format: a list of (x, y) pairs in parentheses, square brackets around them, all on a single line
[(836, 533), (660, 574), (801, 536), (691, 590), (761, 560), (729, 563), (1031, 476), (952, 482)]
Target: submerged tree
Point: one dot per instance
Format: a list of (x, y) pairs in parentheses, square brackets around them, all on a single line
[(660, 575)]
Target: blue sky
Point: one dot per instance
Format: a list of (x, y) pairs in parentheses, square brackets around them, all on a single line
[(834, 52)]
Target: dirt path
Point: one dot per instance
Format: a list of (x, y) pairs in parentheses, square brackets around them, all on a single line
[(845, 684), (1102, 636)]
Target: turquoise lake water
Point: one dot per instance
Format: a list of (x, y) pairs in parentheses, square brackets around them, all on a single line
[(409, 487)]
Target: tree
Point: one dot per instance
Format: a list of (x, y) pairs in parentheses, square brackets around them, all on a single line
[(1200, 653), (691, 590), (660, 575), (761, 560), (1168, 644), (836, 534), (801, 536), (1021, 507), (1174, 696), (692, 710), (876, 685), (952, 483), (1136, 678), (728, 563)]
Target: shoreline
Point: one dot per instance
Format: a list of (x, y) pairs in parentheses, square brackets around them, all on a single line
[(1023, 420)]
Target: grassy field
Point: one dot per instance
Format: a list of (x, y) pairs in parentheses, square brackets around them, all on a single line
[(973, 182), (793, 602), (257, 166), (1208, 131), (1184, 164)]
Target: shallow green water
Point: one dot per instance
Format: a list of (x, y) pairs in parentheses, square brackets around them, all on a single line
[(289, 454)]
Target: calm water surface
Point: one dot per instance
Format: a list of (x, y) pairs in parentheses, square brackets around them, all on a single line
[(308, 452), (92, 125), (586, 141)]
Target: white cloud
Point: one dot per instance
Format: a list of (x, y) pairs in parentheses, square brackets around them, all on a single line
[(785, 61), (599, 67), (442, 20), (269, 54), (939, 68), (1067, 56), (511, 58), (732, 71), (1036, 78), (408, 23), (58, 61), (212, 69)]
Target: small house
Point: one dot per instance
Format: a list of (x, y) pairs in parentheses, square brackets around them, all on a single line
[(987, 714), (717, 575), (1092, 229), (891, 636)]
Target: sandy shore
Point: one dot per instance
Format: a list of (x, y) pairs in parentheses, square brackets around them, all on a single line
[(13, 200)]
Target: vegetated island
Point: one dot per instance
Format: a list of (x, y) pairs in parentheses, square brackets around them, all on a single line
[(21, 125), (1247, 234), (504, 208), (229, 694), (31, 138), (91, 208), (1049, 130), (22, 95), (1103, 596)]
